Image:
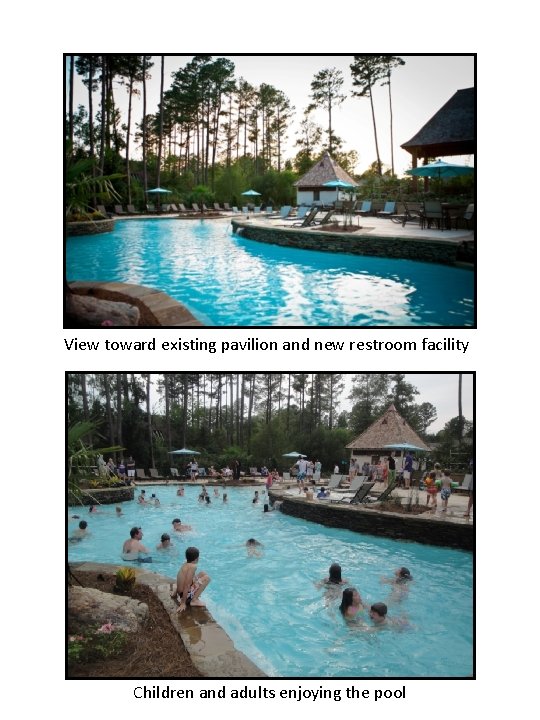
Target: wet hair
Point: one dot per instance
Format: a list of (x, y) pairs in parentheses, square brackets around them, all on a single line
[(437, 466), (334, 573), (207, 498), (153, 494), (380, 609), (176, 520), (446, 472), (346, 600), (91, 508), (165, 537), (252, 541), (83, 524), (266, 508), (192, 553), (118, 508), (404, 574), (143, 492), (134, 531)]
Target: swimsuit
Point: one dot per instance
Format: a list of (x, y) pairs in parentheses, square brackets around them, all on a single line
[(445, 493)]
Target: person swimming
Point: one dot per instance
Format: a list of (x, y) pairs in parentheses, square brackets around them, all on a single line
[(334, 575), (351, 603), (165, 543), (254, 547)]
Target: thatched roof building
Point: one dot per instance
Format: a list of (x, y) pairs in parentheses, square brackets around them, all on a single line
[(451, 131), (390, 429), (310, 187)]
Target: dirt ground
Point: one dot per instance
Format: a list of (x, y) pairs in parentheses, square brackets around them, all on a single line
[(155, 652)]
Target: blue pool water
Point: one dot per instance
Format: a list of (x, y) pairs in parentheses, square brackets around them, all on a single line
[(271, 607), (226, 280)]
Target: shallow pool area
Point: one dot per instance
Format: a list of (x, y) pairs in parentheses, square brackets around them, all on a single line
[(271, 605), (227, 280)]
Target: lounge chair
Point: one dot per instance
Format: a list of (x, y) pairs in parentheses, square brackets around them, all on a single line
[(236, 210), (300, 213), (154, 475), (174, 208), (201, 472), (183, 209), (365, 208), (286, 477), (407, 212), (324, 220), (119, 210), (389, 209), (254, 472), (334, 482), (309, 219), (227, 207), (355, 484), (257, 210), (174, 472), (204, 208), (360, 496), (269, 210), (132, 211), (284, 212), (196, 208), (166, 208), (141, 475), (245, 209), (101, 209), (150, 207)]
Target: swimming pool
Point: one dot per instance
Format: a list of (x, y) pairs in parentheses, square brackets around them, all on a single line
[(271, 607), (227, 280)]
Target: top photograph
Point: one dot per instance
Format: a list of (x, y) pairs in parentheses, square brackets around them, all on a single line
[(237, 191)]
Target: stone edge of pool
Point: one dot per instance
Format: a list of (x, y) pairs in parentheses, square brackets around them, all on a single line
[(395, 526), (441, 251), (211, 650), (155, 306)]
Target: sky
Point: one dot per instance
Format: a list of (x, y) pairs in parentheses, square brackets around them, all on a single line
[(419, 89)]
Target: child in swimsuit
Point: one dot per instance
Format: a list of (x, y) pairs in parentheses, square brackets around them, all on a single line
[(189, 585)]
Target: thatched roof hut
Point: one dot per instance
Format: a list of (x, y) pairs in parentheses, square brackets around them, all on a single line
[(389, 429), (451, 131), (310, 187)]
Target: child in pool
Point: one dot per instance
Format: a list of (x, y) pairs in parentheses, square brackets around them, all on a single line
[(351, 604), (189, 584)]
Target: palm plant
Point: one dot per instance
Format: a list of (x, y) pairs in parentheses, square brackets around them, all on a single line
[(81, 455), (81, 187)]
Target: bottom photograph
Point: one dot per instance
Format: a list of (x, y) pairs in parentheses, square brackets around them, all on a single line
[(278, 525)]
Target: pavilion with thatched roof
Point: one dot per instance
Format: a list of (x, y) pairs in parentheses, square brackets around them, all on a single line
[(451, 131), (389, 429), (310, 187)]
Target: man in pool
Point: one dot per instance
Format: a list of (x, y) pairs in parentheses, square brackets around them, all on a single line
[(190, 585), (377, 613), (178, 526), (80, 533), (133, 547)]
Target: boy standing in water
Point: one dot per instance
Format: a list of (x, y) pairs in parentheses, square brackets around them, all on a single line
[(189, 585)]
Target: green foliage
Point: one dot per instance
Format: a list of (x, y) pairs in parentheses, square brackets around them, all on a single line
[(125, 579), (82, 186), (104, 642)]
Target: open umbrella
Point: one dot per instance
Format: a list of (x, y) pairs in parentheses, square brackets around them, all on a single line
[(184, 451), (404, 446), (339, 185), (294, 455), (158, 191), (440, 170), (251, 193)]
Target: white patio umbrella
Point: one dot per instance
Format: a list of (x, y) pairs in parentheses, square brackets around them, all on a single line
[(294, 455)]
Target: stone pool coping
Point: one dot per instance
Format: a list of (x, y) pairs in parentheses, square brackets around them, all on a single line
[(442, 250), (428, 529), (156, 307), (211, 650)]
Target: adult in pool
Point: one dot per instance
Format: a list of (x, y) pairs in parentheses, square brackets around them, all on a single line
[(133, 549), (254, 548)]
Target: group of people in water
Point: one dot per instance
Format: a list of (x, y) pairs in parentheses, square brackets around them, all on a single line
[(353, 608)]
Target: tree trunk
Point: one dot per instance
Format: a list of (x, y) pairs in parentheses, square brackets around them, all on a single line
[(160, 145), (375, 131), (144, 138), (71, 84)]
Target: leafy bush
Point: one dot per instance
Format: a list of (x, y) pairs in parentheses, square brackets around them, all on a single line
[(104, 642)]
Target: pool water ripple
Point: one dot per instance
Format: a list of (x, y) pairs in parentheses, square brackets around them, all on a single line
[(271, 607), (225, 279)]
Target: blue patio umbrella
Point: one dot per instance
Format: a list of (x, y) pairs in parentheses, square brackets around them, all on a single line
[(339, 185), (184, 451), (251, 193), (440, 170), (159, 191), (294, 455), (404, 446)]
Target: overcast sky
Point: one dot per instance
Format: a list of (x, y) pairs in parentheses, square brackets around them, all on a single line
[(441, 390), (419, 89)]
